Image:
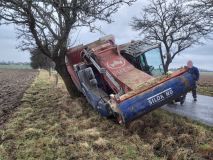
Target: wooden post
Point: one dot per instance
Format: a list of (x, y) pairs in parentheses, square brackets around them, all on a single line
[(56, 79)]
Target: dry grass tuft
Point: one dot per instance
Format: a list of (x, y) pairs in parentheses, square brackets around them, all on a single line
[(51, 125)]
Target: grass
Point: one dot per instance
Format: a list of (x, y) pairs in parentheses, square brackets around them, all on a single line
[(205, 90), (50, 124), (15, 66)]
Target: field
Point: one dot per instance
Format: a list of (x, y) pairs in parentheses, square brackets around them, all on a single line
[(49, 124), (205, 84), (13, 83), (15, 66)]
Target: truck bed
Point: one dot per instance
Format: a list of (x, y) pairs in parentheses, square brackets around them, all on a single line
[(121, 69)]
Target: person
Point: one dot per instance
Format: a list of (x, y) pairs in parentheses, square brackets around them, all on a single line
[(196, 75)]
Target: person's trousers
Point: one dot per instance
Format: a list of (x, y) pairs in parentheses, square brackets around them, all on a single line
[(194, 92)]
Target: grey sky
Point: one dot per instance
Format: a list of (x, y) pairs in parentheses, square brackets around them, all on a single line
[(201, 55)]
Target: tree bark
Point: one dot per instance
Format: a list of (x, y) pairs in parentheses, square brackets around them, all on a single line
[(167, 67), (168, 61), (71, 88)]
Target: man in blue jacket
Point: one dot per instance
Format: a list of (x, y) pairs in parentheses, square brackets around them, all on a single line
[(196, 75), (195, 72)]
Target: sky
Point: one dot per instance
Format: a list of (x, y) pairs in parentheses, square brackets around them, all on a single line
[(201, 55)]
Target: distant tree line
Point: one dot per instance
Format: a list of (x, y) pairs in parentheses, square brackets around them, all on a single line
[(39, 60), (13, 63)]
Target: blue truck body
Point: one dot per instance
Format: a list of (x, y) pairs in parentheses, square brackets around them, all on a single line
[(126, 81), (142, 103), (156, 97)]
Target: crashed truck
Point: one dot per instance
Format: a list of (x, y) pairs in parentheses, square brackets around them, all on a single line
[(125, 81)]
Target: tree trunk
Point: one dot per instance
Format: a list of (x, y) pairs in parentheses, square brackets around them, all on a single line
[(71, 88), (167, 66), (168, 61)]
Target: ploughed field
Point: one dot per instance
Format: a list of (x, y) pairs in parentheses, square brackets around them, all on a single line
[(13, 83), (205, 84)]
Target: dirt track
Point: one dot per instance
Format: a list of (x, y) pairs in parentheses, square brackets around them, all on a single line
[(13, 83)]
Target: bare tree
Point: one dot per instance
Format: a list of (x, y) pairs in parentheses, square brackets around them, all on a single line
[(204, 7), (47, 24), (39, 60), (172, 23), (207, 4)]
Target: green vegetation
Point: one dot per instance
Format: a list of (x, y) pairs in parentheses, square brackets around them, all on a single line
[(50, 124), (205, 90), (15, 66)]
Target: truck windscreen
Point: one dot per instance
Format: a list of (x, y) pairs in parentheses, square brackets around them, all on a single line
[(152, 59)]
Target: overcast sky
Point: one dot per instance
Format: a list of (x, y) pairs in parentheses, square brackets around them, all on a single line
[(201, 55)]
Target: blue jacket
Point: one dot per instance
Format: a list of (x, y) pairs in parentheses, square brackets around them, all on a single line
[(195, 72)]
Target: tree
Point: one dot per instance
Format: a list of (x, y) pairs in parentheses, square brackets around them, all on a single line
[(204, 7), (207, 4), (39, 60), (47, 24), (172, 23)]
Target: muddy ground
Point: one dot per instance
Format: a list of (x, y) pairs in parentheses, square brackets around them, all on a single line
[(205, 84), (13, 83)]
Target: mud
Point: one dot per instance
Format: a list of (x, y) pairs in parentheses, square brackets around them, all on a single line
[(13, 83), (205, 84), (206, 79)]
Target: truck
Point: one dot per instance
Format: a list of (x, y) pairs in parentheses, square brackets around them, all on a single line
[(125, 81)]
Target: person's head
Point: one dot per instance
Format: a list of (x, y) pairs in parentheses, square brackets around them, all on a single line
[(189, 64)]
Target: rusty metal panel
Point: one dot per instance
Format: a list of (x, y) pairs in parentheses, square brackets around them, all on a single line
[(127, 75)]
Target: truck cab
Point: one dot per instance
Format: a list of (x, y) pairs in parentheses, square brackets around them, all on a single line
[(147, 58)]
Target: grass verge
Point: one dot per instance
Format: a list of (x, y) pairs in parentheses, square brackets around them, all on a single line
[(205, 84), (206, 90), (50, 124)]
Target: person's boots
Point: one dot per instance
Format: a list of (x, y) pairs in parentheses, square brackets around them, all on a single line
[(182, 99), (181, 102)]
